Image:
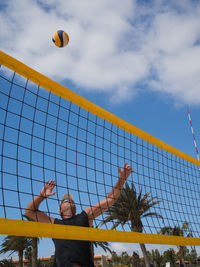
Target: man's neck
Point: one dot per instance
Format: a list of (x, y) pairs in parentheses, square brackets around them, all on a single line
[(67, 216)]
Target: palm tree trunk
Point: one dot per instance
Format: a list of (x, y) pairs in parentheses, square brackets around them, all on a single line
[(146, 258), (182, 261), (181, 250), (20, 254), (137, 227), (34, 252)]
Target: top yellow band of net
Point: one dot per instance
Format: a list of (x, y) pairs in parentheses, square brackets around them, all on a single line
[(35, 229), (65, 93)]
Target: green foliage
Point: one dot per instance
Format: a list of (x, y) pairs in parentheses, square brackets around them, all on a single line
[(170, 256), (125, 259), (156, 257), (182, 252), (49, 263), (116, 260), (184, 230), (192, 256), (14, 244), (28, 253), (136, 261), (6, 263)]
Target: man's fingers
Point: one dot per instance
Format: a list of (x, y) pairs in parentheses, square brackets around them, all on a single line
[(125, 165), (128, 167), (51, 182)]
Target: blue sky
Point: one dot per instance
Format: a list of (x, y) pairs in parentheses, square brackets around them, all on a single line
[(140, 60)]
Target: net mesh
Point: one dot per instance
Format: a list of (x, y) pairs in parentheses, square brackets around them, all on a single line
[(43, 137)]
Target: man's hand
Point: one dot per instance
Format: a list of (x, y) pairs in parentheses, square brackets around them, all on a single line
[(47, 189), (125, 171)]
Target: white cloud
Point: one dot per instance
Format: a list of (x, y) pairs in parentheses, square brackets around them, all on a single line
[(114, 46), (176, 57), (121, 247)]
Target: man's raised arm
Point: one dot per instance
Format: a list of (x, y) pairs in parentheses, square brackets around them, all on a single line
[(112, 197), (32, 209)]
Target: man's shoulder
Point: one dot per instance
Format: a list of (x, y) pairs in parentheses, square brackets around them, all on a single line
[(82, 219), (58, 221), (83, 213)]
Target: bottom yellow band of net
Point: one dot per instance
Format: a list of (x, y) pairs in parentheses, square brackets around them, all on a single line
[(36, 229)]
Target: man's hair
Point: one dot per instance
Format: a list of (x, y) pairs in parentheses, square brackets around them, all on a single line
[(67, 196)]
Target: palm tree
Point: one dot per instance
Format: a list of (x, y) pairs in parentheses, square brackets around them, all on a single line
[(15, 244), (192, 256), (170, 256), (182, 252), (116, 260), (125, 258), (34, 244), (178, 231), (157, 258), (133, 208), (136, 260)]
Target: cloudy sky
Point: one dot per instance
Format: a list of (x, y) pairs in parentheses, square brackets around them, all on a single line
[(138, 59), (120, 48)]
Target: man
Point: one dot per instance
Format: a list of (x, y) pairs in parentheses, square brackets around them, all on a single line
[(73, 253)]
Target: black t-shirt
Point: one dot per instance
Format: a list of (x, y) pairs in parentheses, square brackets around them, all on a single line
[(71, 252)]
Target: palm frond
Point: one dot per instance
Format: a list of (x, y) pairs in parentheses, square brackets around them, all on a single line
[(152, 214), (140, 195), (145, 197), (115, 225), (147, 207), (146, 202), (167, 230), (104, 245)]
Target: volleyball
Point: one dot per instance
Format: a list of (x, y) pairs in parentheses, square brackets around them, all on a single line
[(60, 38)]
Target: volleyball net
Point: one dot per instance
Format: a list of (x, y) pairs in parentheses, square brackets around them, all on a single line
[(49, 132)]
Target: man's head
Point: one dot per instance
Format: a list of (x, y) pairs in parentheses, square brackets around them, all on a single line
[(67, 206)]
